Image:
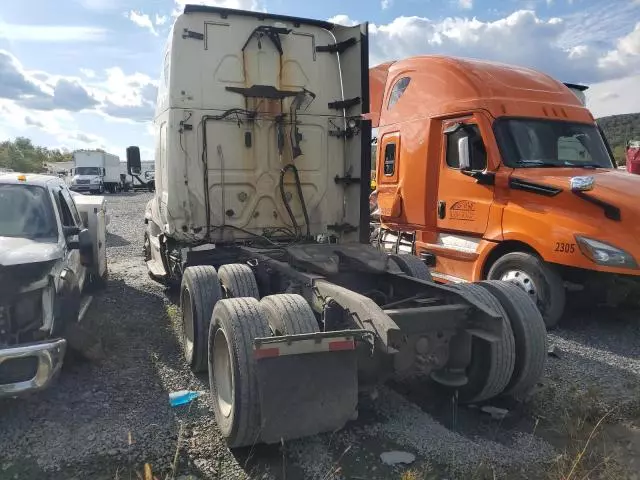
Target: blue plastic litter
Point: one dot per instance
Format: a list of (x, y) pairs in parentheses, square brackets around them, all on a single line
[(182, 397)]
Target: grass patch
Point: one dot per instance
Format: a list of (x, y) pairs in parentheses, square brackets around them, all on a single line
[(587, 451), (173, 312)]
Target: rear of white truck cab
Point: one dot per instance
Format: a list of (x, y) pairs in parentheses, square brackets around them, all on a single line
[(261, 93), (261, 212)]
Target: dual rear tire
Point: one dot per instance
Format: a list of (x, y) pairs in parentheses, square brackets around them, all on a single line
[(233, 378), (513, 365), (222, 314)]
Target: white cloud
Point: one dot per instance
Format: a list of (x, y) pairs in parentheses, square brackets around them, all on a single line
[(87, 72), (101, 5), (255, 5), (343, 20), (465, 4), (537, 41), (614, 97), (58, 125), (161, 19), (142, 20), (51, 33), (626, 53), (129, 97), (386, 4)]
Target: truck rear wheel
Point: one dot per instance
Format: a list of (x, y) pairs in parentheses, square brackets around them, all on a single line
[(412, 266), (233, 379), (492, 363), (289, 314), (529, 334), (238, 281), (199, 292), (537, 279)]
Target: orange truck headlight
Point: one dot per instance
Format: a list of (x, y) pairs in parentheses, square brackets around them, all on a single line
[(605, 254)]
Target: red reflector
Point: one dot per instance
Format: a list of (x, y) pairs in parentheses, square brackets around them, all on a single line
[(341, 345), (266, 353)]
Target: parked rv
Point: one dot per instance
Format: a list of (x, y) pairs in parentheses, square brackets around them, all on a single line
[(492, 171)]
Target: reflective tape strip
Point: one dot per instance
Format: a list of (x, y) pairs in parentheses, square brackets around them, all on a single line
[(342, 345), (266, 352), (299, 347)]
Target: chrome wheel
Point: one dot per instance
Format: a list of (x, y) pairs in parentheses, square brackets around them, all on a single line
[(222, 375), (522, 280)]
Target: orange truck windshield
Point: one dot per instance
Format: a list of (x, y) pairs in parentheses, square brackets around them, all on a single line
[(547, 143)]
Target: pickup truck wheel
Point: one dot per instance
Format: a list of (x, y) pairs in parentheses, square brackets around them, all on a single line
[(199, 292), (492, 363), (529, 334), (412, 266), (233, 379), (537, 279), (238, 281), (289, 314)]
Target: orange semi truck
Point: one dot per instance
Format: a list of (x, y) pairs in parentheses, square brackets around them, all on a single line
[(491, 171)]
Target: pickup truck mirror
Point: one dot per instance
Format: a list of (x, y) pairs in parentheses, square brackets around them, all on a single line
[(134, 165), (464, 157), (70, 231), (85, 243)]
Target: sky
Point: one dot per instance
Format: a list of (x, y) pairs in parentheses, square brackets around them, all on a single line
[(83, 73)]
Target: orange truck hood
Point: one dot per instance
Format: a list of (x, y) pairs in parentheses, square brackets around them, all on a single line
[(544, 221), (616, 187)]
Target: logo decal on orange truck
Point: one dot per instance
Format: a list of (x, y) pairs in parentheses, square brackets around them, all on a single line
[(463, 210)]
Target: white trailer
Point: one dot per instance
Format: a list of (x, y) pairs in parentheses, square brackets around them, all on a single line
[(261, 212), (95, 172)]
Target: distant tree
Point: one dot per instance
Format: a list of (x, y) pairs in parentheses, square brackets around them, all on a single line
[(22, 156), (619, 129)]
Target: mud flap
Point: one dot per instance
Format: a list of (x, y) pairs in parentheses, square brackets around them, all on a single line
[(307, 386)]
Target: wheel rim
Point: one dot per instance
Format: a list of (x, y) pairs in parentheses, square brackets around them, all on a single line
[(222, 375), (187, 324), (523, 280)]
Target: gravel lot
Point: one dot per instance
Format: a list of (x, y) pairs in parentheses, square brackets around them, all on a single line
[(105, 420)]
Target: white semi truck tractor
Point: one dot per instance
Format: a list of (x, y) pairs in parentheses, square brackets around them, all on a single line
[(261, 215)]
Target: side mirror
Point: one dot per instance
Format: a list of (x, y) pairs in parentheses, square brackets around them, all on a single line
[(464, 157), (134, 166), (70, 231)]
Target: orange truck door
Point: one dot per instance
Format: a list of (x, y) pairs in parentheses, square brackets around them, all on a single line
[(464, 194)]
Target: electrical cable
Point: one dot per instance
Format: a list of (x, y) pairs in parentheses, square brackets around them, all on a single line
[(287, 205)]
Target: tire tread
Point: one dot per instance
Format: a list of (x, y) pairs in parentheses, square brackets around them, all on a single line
[(529, 333), (412, 266), (502, 357), (204, 286), (243, 320), (239, 280), (291, 313)]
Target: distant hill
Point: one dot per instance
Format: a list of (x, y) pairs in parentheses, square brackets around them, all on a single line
[(618, 129)]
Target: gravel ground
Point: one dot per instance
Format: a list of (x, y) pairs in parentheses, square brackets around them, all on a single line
[(105, 420)]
